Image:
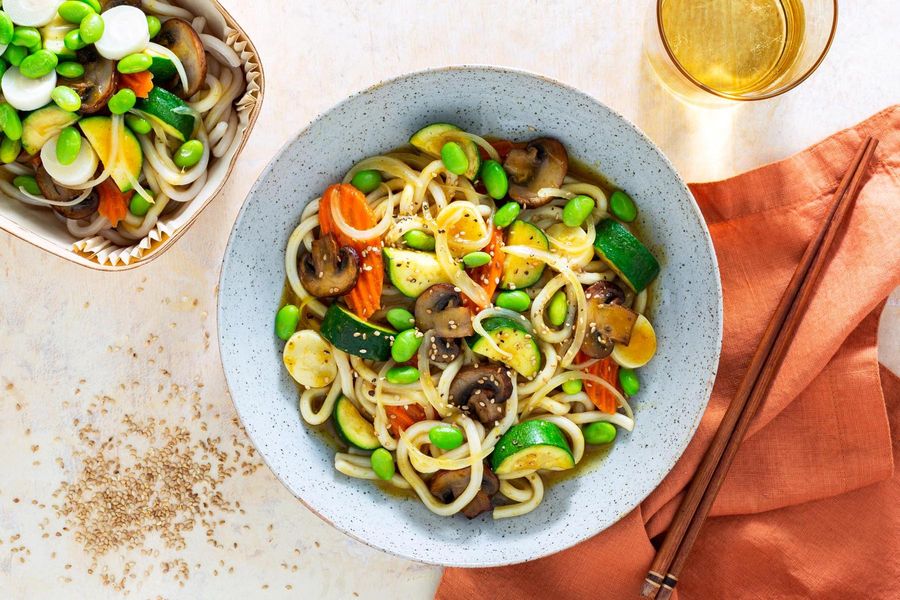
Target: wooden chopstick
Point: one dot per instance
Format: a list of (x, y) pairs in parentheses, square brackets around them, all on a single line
[(763, 367)]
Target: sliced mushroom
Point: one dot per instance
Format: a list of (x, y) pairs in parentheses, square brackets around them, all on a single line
[(448, 485), (82, 210), (455, 322), (328, 270), (97, 84), (543, 163), (434, 300), (606, 291), (608, 321), (440, 308), (483, 391), (444, 350), (178, 36), (612, 320), (53, 191), (114, 3)]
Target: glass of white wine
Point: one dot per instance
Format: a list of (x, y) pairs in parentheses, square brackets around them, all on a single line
[(713, 51)]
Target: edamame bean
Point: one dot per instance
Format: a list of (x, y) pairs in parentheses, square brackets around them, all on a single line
[(74, 12), (70, 70), (9, 150), (517, 300), (476, 259), (138, 124), (383, 464), (445, 437), (454, 158), (66, 98), (6, 28), (153, 25), (366, 181), (29, 183), (557, 309), (622, 206), (139, 207), (95, 4), (402, 375), (286, 319), (629, 381), (38, 64), (121, 102), (26, 37), (419, 240), (600, 432), (134, 63), (73, 40), (494, 178), (572, 386), (401, 319), (10, 122), (189, 154), (14, 55), (506, 214), (91, 28), (68, 145), (577, 210), (406, 344)]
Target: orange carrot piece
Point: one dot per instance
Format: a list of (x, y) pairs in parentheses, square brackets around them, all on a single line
[(608, 370), (113, 203), (139, 83), (365, 297), (488, 276), (402, 417)]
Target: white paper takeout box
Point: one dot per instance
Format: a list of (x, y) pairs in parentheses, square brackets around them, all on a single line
[(40, 226)]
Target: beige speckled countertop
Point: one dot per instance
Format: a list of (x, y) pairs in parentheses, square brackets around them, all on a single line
[(79, 350)]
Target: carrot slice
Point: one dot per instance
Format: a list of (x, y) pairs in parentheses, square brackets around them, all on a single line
[(139, 83), (488, 276), (401, 417), (365, 297), (113, 203), (608, 370)]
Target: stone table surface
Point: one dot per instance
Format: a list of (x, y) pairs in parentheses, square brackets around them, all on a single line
[(81, 351)]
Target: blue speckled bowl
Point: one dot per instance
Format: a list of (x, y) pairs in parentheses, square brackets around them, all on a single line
[(510, 104)]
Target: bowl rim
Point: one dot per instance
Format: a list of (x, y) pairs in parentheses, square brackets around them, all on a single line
[(572, 540)]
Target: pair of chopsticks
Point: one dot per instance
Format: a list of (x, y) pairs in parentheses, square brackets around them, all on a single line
[(672, 555)]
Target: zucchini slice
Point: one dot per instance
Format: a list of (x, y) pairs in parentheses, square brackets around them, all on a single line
[(413, 272), (169, 111), (431, 138), (625, 255), (525, 356), (352, 335), (352, 427), (43, 124), (98, 131), (519, 273), (532, 445)]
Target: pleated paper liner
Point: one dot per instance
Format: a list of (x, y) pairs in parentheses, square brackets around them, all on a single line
[(41, 227)]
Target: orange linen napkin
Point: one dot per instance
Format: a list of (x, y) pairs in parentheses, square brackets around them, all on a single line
[(811, 506)]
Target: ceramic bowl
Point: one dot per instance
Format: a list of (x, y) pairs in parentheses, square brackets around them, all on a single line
[(687, 312)]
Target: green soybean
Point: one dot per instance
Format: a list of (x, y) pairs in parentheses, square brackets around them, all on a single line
[(600, 432), (74, 12), (38, 64), (68, 145), (446, 437), (73, 40), (3, 68), (121, 102), (286, 319), (6, 28), (383, 464), (138, 124), (572, 386), (517, 300), (70, 70), (134, 63), (401, 319), (95, 4), (91, 28), (29, 183), (476, 259), (577, 210), (406, 344), (494, 178), (629, 381), (557, 309), (66, 98), (366, 181), (402, 375), (10, 122), (189, 154), (622, 206), (140, 206), (454, 158), (14, 55), (9, 150), (26, 37), (507, 214), (419, 240), (153, 26)]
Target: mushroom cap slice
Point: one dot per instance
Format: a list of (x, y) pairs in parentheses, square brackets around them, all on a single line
[(434, 300), (97, 84), (448, 485), (482, 391), (543, 163), (53, 191), (328, 270), (608, 321), (443, 349), (178, 36)]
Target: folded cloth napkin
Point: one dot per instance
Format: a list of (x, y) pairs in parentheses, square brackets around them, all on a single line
[(811, 506)]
